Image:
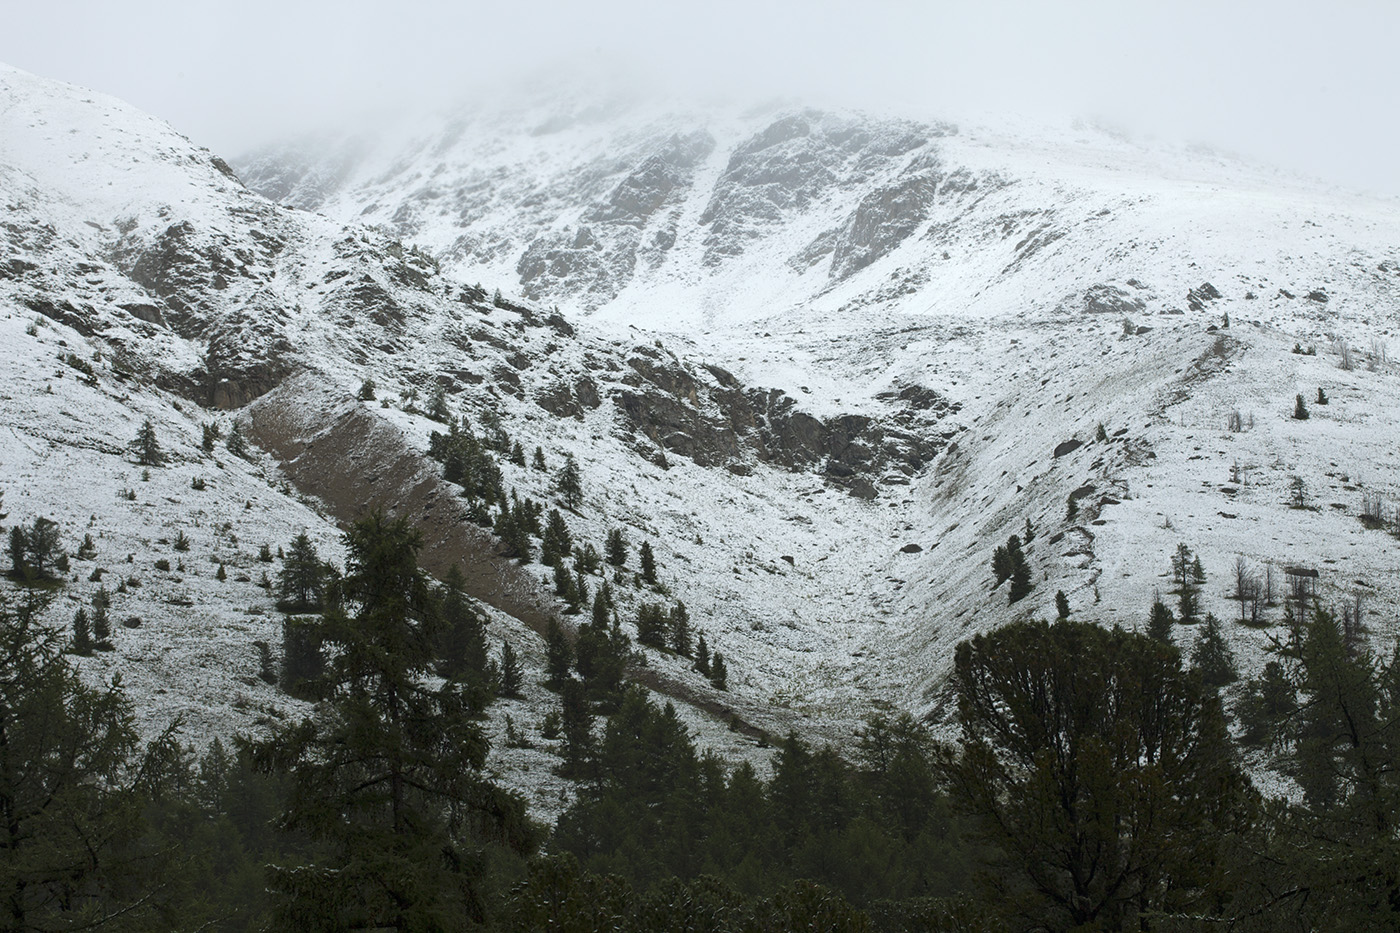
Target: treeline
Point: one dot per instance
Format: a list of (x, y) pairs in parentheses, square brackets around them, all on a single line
[(1095, 785)]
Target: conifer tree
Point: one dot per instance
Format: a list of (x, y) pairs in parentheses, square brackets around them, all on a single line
[(616, 548), (1160, 621), (600, 608), (576, 726), (387, 778), (1079, 741), (1300, 409), (101, 625), (537, 463), (366, 393), (558, 653), (437, 404), (303, 660), (512, 678), (43, 543), (75, 784), (1020, 570), (236, 443), (648, 562), (301, 582), (517, 454), (146, 446), (461, 640), (652, 625), (82, 633), (1212, 656), (719, 672), (569, 483), (702, 656), (1061, 605), (556, 542), (19, 547), (680, 630)]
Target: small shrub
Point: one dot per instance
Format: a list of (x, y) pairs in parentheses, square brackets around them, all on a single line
[(1300, 409), (182, 542), (1321, 396), (265, 554), (197, 484), (163, 564)]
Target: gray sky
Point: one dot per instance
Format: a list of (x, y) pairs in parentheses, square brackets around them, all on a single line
[(1305, 86)]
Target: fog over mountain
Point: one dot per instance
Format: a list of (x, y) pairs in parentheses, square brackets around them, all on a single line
[(1286, 83)]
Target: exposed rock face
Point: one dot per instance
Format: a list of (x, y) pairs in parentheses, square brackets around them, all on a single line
[(1104, 299), (884, 219), (795, 160), (597, 259), (711, 418), (1198, 297)]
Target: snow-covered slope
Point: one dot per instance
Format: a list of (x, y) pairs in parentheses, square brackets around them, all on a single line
[(823, 363)]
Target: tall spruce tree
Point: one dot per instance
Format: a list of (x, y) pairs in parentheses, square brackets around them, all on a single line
[(648, 562), (301, 582), (387, 780), (569, 483), (146, 446)]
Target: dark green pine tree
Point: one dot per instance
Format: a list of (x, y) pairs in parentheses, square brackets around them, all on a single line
[(556, 543), (537, 463), (1212, 656), (19, 549), (302, 581), (387, 778), (1020, 570), (236, 443), (75, 790), (702, 656), (461, 645), (437, 404), (146, 446), (44, 548), (616, 548), (82, 633), (1061, 605), (558, 654), (719, 672), (512, 677), (303, 659), (517, 454), (648, 562), (1160, 621), (653, 624), (680, 630), (600, 608), (576, 726), (569, 484)]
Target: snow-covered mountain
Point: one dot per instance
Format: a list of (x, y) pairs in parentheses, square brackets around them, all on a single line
[(823, 362)]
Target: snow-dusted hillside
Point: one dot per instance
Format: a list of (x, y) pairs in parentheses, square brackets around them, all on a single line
[(823, 363)]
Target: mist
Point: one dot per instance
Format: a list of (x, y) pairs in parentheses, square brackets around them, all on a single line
[(1283, 83)]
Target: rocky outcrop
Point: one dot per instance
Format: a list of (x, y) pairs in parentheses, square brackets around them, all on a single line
[(714, 420), (1103, 299), (884, 219), (1200, 296)]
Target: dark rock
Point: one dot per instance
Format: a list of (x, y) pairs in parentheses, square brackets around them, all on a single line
[(911, 549), (1318, 295), (789, 559), (862, 488), (1198, 297), (884, 219), (1068, 447), (1105, 299)]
